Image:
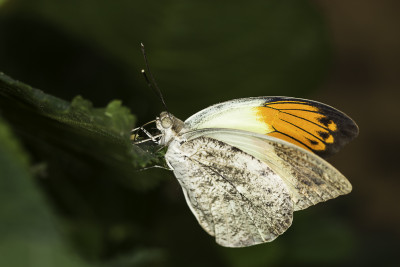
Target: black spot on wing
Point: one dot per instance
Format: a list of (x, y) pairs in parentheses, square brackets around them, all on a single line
[(325, 120), (324, 135), (313, 142)]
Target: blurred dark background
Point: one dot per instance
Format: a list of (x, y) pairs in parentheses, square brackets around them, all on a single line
[(342, 53)]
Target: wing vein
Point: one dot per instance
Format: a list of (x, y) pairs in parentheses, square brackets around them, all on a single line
[(247, 200), (304, 130), (295, 139), (280, 110)]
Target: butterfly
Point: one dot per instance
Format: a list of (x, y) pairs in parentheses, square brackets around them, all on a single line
[(246, 165)]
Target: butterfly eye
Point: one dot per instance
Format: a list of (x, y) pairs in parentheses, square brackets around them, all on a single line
[(166, 122)]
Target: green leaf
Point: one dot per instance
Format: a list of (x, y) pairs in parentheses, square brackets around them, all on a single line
[(28, 231), (115, 121), (102, 135)]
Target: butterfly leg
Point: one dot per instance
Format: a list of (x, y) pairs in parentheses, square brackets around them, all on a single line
[(135, 135)]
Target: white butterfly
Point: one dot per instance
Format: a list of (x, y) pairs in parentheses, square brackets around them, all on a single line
[(246, 165)]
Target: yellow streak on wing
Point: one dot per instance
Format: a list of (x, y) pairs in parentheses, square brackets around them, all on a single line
[(311, 116), (329, 140), (332, 126), (298, 123), (282, 105), (267, 116)]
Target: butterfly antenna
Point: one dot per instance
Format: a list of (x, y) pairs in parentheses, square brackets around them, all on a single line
[(151, 82)]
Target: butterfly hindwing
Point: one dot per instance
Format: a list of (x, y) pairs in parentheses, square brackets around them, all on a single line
[(308, 124), (309, 178), (234, 196)]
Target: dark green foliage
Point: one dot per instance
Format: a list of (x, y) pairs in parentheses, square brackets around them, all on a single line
[(27, 226), (72, 145)]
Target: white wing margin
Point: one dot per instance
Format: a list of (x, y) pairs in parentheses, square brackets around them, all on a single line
[(309, 178)]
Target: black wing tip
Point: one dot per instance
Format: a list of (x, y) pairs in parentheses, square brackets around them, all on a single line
[(347, 128)]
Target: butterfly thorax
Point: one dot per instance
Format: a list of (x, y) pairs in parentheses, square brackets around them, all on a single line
[(170, 127)]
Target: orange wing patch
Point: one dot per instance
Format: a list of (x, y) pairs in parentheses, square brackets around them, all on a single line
[(298, 122)]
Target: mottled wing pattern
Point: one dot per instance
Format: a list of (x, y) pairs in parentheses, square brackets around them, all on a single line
[(234, 196), (313, 179), (310, 179), (311, 125)]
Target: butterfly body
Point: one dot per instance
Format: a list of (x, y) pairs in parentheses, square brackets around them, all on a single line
[(246, 165)]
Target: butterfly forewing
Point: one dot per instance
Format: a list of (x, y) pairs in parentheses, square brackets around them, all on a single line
[(308, 124), (234, 196)]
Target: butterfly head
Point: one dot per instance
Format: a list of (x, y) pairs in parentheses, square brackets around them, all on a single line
[(170, 127)]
